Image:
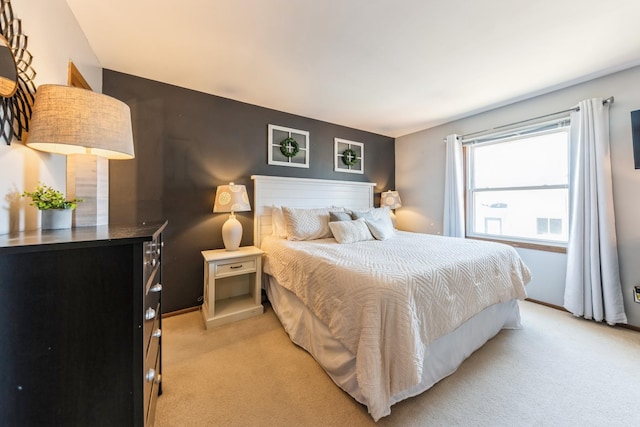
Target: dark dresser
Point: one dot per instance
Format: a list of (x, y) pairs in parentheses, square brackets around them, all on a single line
[(80, 326)]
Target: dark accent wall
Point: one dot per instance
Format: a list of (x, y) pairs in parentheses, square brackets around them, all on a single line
[(187, 143)]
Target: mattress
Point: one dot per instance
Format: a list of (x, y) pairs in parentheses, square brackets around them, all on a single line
[(386, 301)]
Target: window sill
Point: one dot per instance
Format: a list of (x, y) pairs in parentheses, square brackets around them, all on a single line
[(534, 246)]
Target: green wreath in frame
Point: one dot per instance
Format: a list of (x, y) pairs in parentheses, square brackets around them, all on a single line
[(349, 157), (289, 147)]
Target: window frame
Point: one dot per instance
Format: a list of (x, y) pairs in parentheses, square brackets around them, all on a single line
[(470, 190)]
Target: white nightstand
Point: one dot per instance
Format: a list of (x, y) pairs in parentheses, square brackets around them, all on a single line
[(231, 285)]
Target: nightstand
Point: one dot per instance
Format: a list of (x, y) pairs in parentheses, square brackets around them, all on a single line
[(231, 285)]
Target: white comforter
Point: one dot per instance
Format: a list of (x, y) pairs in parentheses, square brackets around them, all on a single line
[(387, 300)]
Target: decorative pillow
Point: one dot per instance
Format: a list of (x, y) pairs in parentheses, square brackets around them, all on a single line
[(382, 229), (339, 216), (363, 215), (278, 226), (378, 220), (376, 213), (306, 224), (350, 231)]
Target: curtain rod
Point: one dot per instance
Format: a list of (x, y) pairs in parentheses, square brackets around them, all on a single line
[(609, 100)]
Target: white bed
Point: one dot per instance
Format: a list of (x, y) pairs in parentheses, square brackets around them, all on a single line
[(390, 342)]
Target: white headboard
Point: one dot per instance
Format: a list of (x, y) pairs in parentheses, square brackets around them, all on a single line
[(303, 193)]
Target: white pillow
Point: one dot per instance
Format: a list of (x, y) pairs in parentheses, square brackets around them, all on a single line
[(278, 227), (306, 224), (339, 216), (350, 231), (376, 213), (378, 220), (382, 229)]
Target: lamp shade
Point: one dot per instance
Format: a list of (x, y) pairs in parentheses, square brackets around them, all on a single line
[(70, 120), (390, 199), (231, 198)]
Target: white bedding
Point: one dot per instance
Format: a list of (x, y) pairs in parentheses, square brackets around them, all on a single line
[(385, 301)]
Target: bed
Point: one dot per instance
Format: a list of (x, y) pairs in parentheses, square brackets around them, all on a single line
[(385, 318)]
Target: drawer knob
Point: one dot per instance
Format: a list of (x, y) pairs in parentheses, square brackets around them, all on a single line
[(156, 288), (158, 379), (153, 262), (157, 333), (149, 314), (150, 375)]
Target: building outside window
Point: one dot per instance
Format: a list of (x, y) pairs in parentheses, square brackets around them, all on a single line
[(518, 186)]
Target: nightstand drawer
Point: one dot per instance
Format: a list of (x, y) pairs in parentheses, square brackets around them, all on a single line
[(234, 267)]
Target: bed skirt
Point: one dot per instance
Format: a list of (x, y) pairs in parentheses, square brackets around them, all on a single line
[(445, 353)]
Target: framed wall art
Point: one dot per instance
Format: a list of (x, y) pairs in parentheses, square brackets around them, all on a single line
[(288, 147), (348, 156)]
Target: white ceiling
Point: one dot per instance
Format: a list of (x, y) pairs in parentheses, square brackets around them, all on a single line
[(386, 66)]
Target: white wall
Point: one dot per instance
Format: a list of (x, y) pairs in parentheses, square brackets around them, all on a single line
[(54, 38), (420, 178)]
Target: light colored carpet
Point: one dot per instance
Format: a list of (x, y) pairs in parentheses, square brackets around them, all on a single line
[(556, 371)]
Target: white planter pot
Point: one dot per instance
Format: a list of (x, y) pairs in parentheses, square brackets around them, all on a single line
[(55, 219)]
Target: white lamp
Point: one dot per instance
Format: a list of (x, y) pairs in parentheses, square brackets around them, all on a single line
[(231, 198), (392, 200)]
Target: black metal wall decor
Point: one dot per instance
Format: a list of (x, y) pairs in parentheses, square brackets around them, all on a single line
[(17, 90)]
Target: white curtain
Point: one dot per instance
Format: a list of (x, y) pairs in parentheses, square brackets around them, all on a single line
[(593, 286), (453, 224)]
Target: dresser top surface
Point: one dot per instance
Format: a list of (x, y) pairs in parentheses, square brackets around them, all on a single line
[(80, 236)]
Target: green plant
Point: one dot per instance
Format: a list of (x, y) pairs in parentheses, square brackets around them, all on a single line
[(45, 197)]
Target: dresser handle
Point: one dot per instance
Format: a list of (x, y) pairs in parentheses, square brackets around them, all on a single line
[(233, 267), (158, 379), (150, 376), (156, 288), (150, 314), (157, 333)]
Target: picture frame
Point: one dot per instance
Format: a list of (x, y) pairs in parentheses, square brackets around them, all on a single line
[(288, 147), (348, 156)]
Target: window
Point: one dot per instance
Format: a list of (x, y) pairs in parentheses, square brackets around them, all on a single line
[(518, 187)]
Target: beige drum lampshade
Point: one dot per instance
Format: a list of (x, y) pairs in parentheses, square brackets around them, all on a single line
[(69, 120)]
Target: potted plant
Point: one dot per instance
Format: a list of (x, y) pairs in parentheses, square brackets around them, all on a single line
[(56, 209)]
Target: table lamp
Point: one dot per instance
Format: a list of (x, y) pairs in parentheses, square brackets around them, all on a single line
[(89, 128), (392, 200), (231, 198)]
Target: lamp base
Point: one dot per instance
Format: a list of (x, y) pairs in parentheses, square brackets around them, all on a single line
[(232, 233)]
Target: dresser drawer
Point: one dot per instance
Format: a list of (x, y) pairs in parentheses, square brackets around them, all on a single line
[(153, 290), (151, 306), (152, 314), (152, 252), (234, 267), (152, 337), (151, 380)]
